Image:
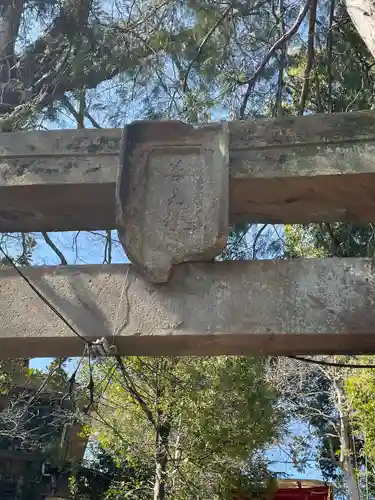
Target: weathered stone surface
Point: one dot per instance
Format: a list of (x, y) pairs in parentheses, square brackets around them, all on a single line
[(258, 307), (284, 170), (172, 195), (58, 180)]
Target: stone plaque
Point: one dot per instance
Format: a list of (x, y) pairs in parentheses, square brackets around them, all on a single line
[(172, 194)]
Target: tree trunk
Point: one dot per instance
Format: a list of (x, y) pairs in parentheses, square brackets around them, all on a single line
[(346, 460), (10, 19), (161, 460), (346, 452), (177, 453), (362, 13)]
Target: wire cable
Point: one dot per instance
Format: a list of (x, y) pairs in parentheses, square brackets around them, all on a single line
[(42, 297), (331, 363), (66, 322)]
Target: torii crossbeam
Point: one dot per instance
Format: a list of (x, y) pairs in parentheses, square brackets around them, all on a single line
[(296, 169)]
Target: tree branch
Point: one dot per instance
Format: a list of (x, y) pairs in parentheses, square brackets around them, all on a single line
[(276, 46), (258, 235), (108, 248), (329, 56), (69, 106), (310, 57), (134, 393), (10, 20), (280, 20), (60, 61), (203, 43), (52, 245), (92, 120)]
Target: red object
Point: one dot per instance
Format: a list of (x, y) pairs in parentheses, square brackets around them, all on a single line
[(296, 489), (314, 493)]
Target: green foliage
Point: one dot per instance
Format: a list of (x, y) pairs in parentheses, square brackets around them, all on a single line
[(361, 390), (10, 371), (343, 76), (300, 242), (220, 414)]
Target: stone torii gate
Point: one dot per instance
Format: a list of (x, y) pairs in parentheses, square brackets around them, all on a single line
[(179, 188)]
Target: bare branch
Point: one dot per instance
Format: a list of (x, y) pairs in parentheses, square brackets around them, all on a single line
[(108, 248), (52, 245), (92, 120), (276, 46), (69, 106)]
